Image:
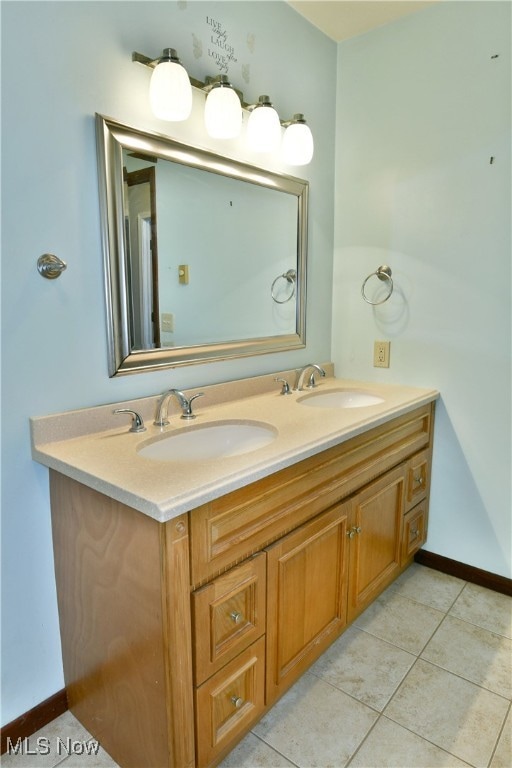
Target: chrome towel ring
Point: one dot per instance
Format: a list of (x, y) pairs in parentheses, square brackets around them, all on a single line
[(291, 278), (383, 273)]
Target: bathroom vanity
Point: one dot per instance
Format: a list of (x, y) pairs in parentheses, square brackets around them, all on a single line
[(185, 614)]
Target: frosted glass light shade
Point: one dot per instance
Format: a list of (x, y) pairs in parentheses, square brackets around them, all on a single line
[(170, 92), (223, 113), (263, 129), (298, 144)]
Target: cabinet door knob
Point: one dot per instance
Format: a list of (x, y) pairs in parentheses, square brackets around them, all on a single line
[(236, 616), (415, 534), (353, 531), (418, 480), (237, 701)]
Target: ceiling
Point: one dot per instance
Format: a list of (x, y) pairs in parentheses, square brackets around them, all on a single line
[(341, 19)]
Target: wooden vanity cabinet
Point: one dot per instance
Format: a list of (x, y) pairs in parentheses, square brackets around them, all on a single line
[(177, 637), (123, 592)]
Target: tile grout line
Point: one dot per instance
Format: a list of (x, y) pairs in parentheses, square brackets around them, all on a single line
[(432, 743), (500, 734), (473, 623), (428, 605), (407, 650), (277, 751), (358, 748), (417, 735), (461, 677), (346, 693), (388, 642)]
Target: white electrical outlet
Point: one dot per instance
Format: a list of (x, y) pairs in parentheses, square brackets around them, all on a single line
[(381, 354)]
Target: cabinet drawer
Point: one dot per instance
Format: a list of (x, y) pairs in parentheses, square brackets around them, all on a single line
[(415, 531), (229, 615), (417, 479), (227, 529), (229, 702)]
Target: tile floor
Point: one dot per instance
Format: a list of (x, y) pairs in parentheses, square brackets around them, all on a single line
[(422, 679)]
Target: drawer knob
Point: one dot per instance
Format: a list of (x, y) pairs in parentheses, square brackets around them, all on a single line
[(236, 616), (418, 480), (415, 534), (237, 701)]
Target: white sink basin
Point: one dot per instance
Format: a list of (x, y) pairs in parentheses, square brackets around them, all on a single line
[(340, 398), (209, 441)]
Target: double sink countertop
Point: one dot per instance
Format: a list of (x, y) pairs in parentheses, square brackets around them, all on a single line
[(96, 448)]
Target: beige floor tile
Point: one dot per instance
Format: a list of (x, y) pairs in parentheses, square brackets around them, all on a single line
[(49, 746), (503, 756), (315, 725), (88, 758), (452, 713), (473, 653), (254, 753), (400, 621), (391, 746), (439, 590), (364, 666), (486, 608)]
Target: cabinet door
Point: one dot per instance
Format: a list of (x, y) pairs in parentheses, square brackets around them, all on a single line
[(306, 596), (374, 535)]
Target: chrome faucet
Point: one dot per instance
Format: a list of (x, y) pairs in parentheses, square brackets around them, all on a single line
[(137, 422), (185, 402), (299, 380)]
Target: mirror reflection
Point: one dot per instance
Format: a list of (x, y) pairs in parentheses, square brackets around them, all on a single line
[(205, 256)]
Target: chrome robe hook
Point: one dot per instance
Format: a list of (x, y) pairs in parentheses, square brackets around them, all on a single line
[(50, 266)]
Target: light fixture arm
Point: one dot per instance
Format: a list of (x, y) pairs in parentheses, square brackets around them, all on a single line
[(209, 83), (297, 118), (222, 81), (222, 112)]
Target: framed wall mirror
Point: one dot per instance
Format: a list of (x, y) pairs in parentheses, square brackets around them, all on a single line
[(205, 256)]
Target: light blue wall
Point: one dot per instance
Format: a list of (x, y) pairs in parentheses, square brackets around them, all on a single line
[(422, 107), (61, 63)]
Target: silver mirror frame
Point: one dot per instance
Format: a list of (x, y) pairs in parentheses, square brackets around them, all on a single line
[(112, 138)]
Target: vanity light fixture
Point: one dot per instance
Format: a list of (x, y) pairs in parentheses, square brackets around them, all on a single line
[(298, 145), (263, 127), (170, 91), (223, 109), (171, 99)]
